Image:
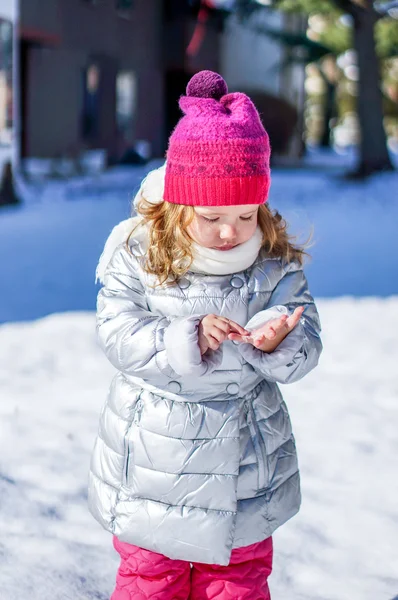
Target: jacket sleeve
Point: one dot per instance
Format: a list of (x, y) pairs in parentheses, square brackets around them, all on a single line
[(299, 352), (139, 342)]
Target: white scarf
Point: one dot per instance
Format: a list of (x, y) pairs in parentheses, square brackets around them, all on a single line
[(205, 260)]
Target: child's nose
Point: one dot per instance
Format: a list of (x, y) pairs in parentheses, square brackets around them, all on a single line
[(227, 232)]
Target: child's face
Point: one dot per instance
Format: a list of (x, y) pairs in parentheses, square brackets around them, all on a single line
[(223, 227)]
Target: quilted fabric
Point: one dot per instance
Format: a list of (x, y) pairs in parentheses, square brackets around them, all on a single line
[(195, 455), (143, 574), (245, 578)]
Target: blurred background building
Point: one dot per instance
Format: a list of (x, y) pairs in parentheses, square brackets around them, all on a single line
[(90, 75), (105, 75), (101, 78)]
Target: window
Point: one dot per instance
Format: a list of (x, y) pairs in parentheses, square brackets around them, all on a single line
[(126, 100), (90, 113)]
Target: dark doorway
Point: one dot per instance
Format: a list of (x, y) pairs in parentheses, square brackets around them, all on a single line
[(91, 100), (176, 83), (24, 60), (98, 109)]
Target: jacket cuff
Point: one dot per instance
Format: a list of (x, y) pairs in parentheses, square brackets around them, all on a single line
[(182, 348)]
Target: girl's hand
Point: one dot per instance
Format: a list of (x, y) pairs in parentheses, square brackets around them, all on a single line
[(270, 335), (214, 330)]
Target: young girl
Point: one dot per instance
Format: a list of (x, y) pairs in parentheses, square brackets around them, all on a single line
[(204, 309)]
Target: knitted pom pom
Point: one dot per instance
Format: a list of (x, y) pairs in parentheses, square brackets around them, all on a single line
[(207, 84)]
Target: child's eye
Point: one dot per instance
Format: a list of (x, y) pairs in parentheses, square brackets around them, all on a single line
[(218, 218)]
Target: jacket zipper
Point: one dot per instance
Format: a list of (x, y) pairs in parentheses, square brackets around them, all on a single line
[(257, 444), (127, 453)]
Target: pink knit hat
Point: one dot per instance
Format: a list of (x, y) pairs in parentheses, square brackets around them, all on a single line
[(219, 152)]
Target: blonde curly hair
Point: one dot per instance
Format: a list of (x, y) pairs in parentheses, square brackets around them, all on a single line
[(169, 253)]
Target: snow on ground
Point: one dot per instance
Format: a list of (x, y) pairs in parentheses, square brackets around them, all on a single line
[(341, 546), (51, 244)]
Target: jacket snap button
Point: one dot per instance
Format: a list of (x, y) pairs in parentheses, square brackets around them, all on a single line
[(174, 387), (232, 388), (184, 283), (236, 282)]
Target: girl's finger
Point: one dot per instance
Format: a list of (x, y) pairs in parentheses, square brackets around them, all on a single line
[(235, 337), (214, 344), (271, 333), (279, 323), (275, 325), (222, 324), (295, 317), (244, 339), (272, 328), (258, 341), (219, 334), (236, 327), (292, 321), (232, 325)]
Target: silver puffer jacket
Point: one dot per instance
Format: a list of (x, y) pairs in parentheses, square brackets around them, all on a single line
[(195, 454)]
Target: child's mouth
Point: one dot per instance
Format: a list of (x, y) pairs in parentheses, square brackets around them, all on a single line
[(226, 247)]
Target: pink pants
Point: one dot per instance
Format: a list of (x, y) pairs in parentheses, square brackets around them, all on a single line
[(143, 574)]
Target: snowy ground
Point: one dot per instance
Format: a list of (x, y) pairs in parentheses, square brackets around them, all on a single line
[(53, 382), (341, 546)]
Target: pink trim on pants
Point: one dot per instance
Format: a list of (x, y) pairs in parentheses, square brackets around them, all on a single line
[(144, 574)]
